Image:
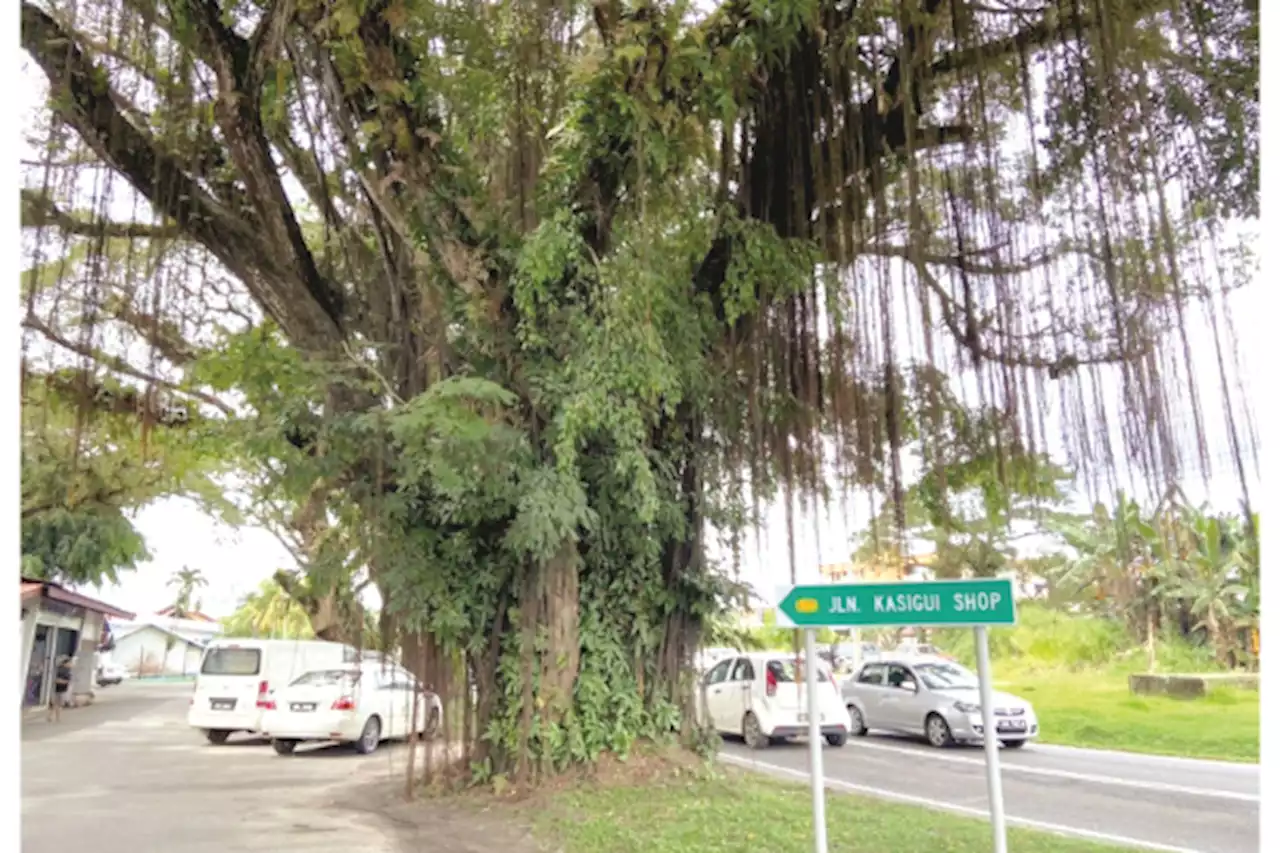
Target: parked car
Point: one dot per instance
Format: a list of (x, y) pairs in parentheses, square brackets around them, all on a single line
[(933, 697), (238, 677), (761, 698), (110, 673), (707, 658), (362, 704), (842, 656)]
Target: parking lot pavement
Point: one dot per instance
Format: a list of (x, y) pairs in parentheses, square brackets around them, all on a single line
[(126, 775)]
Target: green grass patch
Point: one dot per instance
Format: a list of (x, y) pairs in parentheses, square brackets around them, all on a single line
[(1096, 709), (737, 811)]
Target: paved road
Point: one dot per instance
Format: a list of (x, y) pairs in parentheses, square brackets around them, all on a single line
[(126, 775), (1171, 804)]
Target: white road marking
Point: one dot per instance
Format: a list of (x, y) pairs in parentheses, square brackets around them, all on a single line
[(940, 805), (1143, 756), (1011, 767)]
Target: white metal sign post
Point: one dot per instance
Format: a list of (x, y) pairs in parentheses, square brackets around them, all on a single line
[(990, 743), (931, 604), (817, 783)]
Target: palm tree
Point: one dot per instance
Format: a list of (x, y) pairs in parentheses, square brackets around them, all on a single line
[(1218, 578), (187, 580), (269, 612)]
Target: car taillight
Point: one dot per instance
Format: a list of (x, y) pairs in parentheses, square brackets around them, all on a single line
[(346, 703), (265, 702), (770, 683)]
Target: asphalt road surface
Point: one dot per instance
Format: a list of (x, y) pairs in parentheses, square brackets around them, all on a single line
[(1172, 804), (126, 775)]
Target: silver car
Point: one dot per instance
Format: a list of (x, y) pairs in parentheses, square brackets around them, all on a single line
[(933, 697)]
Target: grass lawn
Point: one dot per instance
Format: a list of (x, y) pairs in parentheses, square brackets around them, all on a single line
[(1097, 710), (737, 811)]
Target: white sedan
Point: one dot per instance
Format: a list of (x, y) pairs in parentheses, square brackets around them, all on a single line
[(362, 704)]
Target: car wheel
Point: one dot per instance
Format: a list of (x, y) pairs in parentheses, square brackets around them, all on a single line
[(857, 725), (752, 733), (370, 736), (1014, 744), (284, 746), (838, 738), (217, 736), (938, 732)]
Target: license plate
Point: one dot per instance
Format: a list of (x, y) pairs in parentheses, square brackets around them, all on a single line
[(1011, 726), (222, 704), (302, 706)]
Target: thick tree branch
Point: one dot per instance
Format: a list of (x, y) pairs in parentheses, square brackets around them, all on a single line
[(952, 318), (39, 211), (83, 98), (117, 364), (239, 66), (162, 335), (267, 41), (963, 262), (83, 390), (1049, 29)]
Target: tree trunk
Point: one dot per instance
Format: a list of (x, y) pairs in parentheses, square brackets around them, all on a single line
[(1151, 637)]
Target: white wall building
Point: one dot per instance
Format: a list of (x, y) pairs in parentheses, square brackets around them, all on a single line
[(147, 649), (58, 622)]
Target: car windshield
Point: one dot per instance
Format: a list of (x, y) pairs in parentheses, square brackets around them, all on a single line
[(230, 660), (946, 676), (327, 678), (785, 671)]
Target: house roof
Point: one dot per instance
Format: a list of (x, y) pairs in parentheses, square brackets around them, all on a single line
[(191, 615), (35, 588), (30, 590)]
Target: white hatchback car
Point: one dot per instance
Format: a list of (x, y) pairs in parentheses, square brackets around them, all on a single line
[(761, 698), (361, 704)]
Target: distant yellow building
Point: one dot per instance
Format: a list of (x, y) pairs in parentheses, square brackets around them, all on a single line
[(885, 568)]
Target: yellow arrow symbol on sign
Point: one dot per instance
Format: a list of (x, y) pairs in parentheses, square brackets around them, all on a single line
[(807, 605)]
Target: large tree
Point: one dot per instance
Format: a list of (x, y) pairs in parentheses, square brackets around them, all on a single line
[(544, 288)]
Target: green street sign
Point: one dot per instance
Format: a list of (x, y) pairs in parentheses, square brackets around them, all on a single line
[(988, 601)]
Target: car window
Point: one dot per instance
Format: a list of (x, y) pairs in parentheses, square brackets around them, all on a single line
[(719, 672), (786, 671), (326, 678), (946, 676), (743, 671), (405, 681), (900, 676), (230, 661), (873, 674), (378, 676)]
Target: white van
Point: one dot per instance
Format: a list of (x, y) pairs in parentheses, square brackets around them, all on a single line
[(238, 678)]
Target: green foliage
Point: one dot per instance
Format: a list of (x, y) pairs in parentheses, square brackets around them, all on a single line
[(86, 546), (979, 490), (1176, 568), (84, 473), (269, 612)]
